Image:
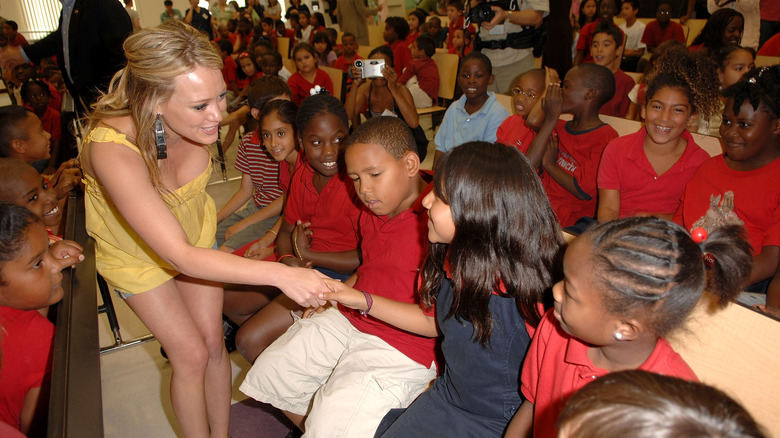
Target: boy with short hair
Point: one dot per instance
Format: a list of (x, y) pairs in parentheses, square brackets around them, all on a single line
[(22, 137), (363, 367), (349, 46), (477, 114), (267, 24), (229, 66), (433, 29), (607, 11), (569, 153), (455, 14), (283, 32), (421, 76), (662, 28), (263, 48), (605, 48), (634, 29)]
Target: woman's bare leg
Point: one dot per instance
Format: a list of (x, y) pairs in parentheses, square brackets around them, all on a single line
[(163, 311), (204, 300)]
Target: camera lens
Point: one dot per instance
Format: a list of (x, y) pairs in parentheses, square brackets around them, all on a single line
[(358, 63)]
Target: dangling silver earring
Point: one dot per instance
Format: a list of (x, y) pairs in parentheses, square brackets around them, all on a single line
[(618, 336), (159, 139)]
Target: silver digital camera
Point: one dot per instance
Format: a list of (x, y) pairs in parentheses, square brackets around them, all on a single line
[(370, 68)]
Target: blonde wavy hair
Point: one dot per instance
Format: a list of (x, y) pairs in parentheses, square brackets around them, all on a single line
[(155, 57)]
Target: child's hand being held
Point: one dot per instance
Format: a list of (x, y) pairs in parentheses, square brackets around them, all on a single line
[(345, 295), (66, 252)]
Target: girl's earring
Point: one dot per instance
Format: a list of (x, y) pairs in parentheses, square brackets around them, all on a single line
[(618, 336), (159, 138)]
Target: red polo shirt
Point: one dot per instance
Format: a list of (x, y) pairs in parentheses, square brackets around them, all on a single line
[(393, 251), (625, 167), (514, 132), (557, 365), (333, 214)]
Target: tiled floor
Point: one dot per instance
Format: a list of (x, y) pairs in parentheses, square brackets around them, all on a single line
[(136, 401)]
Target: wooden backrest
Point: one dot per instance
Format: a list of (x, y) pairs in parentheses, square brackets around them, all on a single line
[(506, 102), (339, 81), (363, 51), (375, 37), (767, 61), (737, 350), (637, 77), (624, 127), (283, 47), (447, 64), (289, 64)]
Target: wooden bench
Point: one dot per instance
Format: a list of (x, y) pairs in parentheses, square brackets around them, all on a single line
[(737, 350)]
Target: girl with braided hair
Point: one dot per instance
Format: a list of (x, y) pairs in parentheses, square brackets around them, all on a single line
[(646, 172), (747, 175), (627, 284)]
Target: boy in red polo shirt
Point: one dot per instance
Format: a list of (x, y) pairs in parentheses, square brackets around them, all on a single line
[(358, 368), (662, 28), (421, 77), (570, 162), (606, 48)]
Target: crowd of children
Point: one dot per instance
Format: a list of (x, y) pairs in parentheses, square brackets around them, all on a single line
[(434, 274)]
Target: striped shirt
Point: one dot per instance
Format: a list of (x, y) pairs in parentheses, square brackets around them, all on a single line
[(255, 161)]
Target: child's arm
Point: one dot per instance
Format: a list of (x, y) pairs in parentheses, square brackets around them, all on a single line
[(772, 306), (356, 98), (402, 97), (238, 199), (342, 261), (262, 247), (765, 264), (551, 109), (579, 56), (522, 422), (537, 116), (550, 165), (406, 316), (34, 414), (274, 208), (609, 205)]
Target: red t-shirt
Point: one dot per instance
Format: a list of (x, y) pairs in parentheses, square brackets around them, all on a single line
[(55, 101), (393, 251), (771, 47), (756, 198), (557, 365), (586, 37), (514, 132), (301, 88), (402, 56), (243, 83), (254, 160), (51, 122), (411, 38), (654, 36), (333, 214), (769, 10), (618, 105), (229, 68), (625, 167), (579, 154), (26, 343), (342, 63), (427, 76), (19, 41)]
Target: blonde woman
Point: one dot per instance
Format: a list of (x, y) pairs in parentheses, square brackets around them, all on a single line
[(146, 162)]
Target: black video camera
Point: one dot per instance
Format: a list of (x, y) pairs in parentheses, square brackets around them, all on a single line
[(482, 12)]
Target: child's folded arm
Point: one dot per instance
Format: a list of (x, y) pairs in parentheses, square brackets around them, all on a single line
[(344, 262), (274, 208)]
